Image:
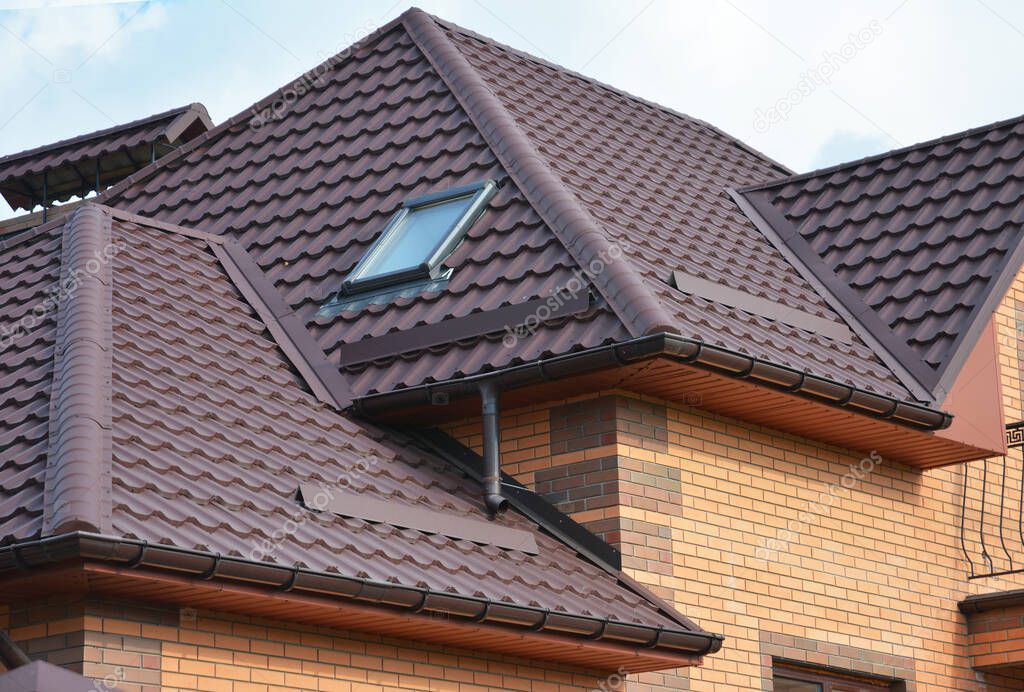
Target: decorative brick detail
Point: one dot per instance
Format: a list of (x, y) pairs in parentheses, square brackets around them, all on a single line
[(580, 486), (607, 420), (582, 425), (836, 657)]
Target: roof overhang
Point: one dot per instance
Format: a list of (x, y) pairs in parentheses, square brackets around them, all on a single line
[(694, 373), (90, 563), (59, 171)]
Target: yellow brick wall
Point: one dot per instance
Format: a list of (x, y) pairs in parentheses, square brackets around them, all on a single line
[(871, 581), (150, 649), (1010, 312)]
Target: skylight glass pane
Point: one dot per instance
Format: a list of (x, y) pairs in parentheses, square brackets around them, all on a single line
[(416, 236)]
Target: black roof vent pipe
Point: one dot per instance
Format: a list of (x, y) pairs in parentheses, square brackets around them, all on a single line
[(494, 501)]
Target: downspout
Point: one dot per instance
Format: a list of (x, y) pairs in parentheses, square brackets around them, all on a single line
[(493, 499)]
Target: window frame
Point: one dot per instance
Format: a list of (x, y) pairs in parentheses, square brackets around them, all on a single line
[(831, 681), (481, 192)]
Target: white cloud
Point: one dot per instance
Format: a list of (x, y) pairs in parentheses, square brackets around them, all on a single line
[(936, 68)]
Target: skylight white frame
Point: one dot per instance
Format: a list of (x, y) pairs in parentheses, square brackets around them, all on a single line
[(431, 267)]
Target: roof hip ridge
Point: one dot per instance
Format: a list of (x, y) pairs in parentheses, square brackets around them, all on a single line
[(77, 490), (616, 280)]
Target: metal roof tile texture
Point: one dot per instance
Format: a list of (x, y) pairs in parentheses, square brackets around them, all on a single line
[(309, 193), (29, 276), (921, 234), (657, 181), (213, 432)]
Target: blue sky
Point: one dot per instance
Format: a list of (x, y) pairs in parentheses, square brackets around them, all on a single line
[(808, 83)]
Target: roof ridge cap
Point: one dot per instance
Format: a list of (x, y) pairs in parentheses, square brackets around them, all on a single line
[(617, 281), (935, 141), (77, 490)]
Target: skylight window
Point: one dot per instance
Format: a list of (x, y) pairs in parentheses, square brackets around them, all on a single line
[(419, 237)]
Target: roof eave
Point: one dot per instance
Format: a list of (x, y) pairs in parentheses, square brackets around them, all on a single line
[(686, 350), (678, 646)]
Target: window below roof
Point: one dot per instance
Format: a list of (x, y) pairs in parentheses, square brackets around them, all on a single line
[(418, 238), (796, 678)]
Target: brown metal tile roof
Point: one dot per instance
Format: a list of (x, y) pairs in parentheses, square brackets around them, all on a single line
[(419, 107), (179, 422), (307, 195), (655, 183), (29, 278), (112, 153), (920, 242)]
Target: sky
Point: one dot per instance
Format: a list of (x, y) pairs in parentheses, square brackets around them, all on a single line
[(807, 83)]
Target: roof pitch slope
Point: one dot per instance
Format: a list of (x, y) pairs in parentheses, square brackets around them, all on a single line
[(307, 193), (29, 279), (655, 182), (210, 432), (921, 242), (420, 106), (172, 127)]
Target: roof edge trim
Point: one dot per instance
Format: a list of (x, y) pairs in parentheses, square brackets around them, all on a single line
[(174, 113), (78, 488), (913, 372), (688, 351), (193, 113), (619, 284), (291, 336), (140, 555)]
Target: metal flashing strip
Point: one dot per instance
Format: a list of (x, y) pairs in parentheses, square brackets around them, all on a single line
[(289, 333), (769, 309), (356, 505), (507, 318), (525, 501)]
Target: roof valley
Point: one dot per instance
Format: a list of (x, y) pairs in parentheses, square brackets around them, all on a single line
[(77, 491), (912, 242), (911, 370)]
